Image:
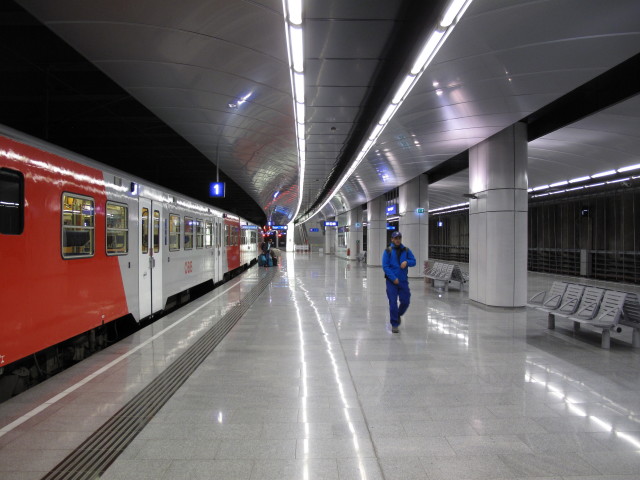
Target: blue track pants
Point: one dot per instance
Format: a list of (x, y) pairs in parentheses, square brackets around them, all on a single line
[(394, 292)]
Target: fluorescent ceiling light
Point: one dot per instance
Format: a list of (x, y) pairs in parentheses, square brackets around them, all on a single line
[(428, 50), (298, 86), (618, 180), (300, 130), (626, 169), (452, 12), (580, 179), (603, 174), (297, 50), (388, 113), (376, 132), (541, 187), (295, 11), (403, 89), (300, 112), (559, 184)]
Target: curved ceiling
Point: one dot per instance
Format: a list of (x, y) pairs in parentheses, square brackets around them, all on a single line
[(217, 73)]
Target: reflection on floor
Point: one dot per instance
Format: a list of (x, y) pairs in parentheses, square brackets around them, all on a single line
[(312, 384)]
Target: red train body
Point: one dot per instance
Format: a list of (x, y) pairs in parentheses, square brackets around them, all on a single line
[(80, 243)]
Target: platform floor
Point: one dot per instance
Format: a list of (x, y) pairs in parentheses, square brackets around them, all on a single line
[(311, 384)]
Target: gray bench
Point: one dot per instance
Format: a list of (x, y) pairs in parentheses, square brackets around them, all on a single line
[(550, 299), (631, 317), (445, 274), (600, 309)]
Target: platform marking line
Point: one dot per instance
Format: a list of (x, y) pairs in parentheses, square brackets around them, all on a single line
[(19, 421)]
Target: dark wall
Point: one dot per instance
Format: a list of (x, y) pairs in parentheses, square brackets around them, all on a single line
[(595, 235)]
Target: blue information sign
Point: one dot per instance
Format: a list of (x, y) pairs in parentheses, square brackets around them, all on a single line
[(279, 227), (216, 189), (330, 224), (390, 227), (392, 209), (314, 229)]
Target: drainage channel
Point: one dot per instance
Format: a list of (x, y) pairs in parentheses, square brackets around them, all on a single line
[(97, 452)]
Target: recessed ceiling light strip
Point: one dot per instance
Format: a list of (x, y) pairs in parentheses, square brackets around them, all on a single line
[(436, 39), (295, 49)]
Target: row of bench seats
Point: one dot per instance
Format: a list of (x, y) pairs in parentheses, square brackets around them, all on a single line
[(598, 308), (445, 274)]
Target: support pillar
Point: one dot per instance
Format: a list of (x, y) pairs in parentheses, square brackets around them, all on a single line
[(498, 219), (291, 234), (376, 231), (330, 239), (415, 226), (354, 239)]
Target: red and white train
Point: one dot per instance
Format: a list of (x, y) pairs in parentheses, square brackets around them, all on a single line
[(83, 244)]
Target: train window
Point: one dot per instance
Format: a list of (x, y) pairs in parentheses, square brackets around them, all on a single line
[(208, 234), (11, 202), (117, 229), (219, 235), (144, 237), (188, 233), (236, 235), (227, 236), (174, 232), (78, 217), (156, 231), (199, 233)]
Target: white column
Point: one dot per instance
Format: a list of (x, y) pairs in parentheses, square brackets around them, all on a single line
[(376, 231), (291, 230), (354, 242), (498, 219), (414, 226), (330, 239)]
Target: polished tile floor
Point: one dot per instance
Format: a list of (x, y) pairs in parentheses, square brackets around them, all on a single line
[(312, 384)]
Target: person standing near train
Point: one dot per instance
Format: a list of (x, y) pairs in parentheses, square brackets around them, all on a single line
[(396, 259)]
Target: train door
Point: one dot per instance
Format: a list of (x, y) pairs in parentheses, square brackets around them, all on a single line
[(216, 250), (150, 257), (222, 251)]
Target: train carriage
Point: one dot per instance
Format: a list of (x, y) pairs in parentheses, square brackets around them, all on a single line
[(83, 244)]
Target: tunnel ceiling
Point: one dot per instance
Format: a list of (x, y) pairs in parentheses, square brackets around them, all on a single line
[(206, 85)]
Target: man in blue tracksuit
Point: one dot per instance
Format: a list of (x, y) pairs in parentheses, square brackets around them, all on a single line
[(395, 260)]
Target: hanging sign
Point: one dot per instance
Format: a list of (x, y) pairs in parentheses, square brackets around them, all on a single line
[(216, 189)]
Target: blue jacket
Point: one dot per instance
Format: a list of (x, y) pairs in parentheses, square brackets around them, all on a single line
[(391, 262)]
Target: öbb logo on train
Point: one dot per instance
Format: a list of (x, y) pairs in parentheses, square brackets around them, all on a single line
[(188, 267)]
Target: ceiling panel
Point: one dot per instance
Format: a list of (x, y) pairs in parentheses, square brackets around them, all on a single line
[(188, 61)]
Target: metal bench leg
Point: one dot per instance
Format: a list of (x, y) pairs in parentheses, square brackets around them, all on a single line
[(551, 321), (606, 338), (576, 326), (636, 338)]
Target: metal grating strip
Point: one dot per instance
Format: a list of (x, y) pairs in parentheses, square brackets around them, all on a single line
[(100, 450)]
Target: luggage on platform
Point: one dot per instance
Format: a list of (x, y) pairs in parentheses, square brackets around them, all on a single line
[(265, 260)]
